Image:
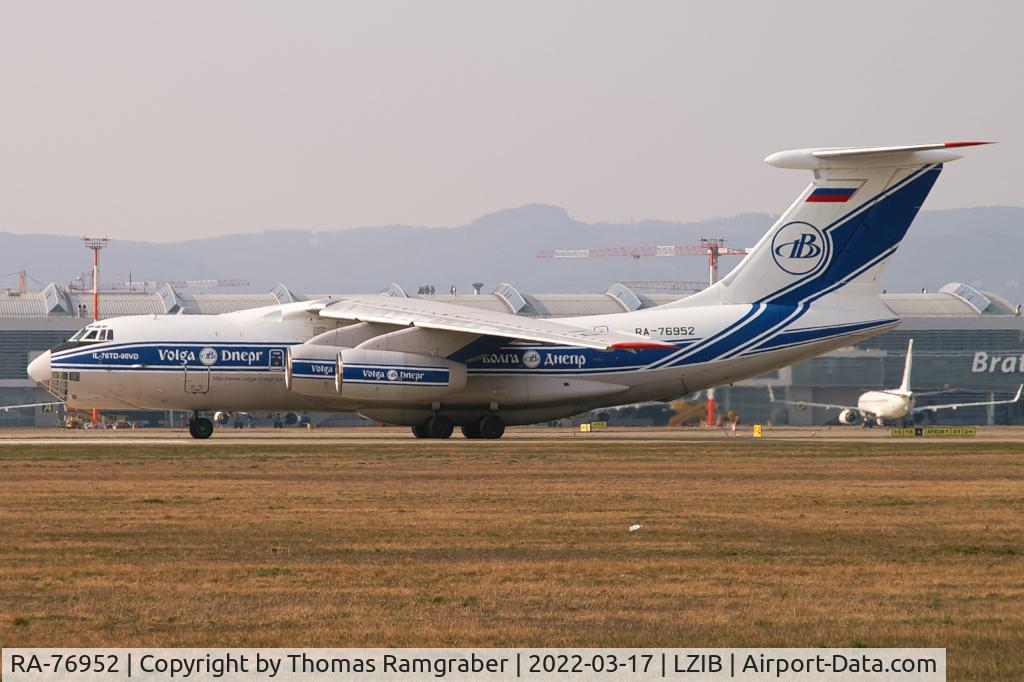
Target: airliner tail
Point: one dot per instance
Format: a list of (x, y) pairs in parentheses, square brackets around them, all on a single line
[(842, 230), (905, 386)]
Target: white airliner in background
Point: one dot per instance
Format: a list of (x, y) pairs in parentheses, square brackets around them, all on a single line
[(809, 286), (890, 405)]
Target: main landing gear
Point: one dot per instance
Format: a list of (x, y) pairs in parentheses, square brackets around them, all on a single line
[(441, 426), (438, 426), (489, 426), (200, 427)]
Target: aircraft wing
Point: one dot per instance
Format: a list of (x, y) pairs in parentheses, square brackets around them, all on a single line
[(416, 312), (953, 406), (801, 404), (7, 408)]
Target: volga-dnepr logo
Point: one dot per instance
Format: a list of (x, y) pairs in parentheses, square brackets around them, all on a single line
[(208, 356), (798, 247)]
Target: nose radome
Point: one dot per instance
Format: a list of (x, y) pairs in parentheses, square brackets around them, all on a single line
[(39, 369)]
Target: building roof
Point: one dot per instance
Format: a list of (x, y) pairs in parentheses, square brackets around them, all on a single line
[(953, 300), (928, 305), (215, 304), (15, 304), (115, 305)]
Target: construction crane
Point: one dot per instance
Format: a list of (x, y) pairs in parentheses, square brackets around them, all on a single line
[(22, 275), (145, 285), (669, 286), (712, 248), (149, 285)]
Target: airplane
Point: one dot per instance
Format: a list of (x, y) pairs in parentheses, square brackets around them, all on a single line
[(8, 408), (878, 407), (809, 286)]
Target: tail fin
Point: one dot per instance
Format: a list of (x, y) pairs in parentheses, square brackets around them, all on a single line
[(842, 230), (905, 386)]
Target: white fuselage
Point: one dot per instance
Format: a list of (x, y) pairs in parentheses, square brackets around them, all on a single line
[(885, 405), (236, 362)]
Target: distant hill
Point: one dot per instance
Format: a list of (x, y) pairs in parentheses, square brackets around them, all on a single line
[(979, 246)]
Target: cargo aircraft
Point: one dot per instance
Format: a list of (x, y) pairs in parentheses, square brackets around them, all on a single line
[(809, 286), (891, 405)]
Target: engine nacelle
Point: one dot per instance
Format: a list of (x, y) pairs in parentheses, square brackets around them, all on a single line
[(384, 376), (849, 417), (221, 417), (309, 369)]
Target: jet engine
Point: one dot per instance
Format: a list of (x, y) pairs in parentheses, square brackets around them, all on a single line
[(221, 417), (849, 417), (369, 375), (385, 376), (309, 369)]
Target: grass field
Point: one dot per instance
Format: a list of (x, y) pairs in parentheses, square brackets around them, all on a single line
[(518, 543)]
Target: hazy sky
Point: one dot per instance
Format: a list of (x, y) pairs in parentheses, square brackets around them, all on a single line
[(180, 119)]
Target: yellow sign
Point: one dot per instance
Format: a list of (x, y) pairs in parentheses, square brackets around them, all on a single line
[(757, 431), (950, 431), (584, 428), (934, 431), (598, 425)]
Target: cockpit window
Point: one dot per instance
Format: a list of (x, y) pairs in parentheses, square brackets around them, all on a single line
[(92, 335)]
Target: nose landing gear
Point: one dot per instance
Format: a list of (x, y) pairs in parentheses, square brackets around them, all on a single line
[(200, 427)]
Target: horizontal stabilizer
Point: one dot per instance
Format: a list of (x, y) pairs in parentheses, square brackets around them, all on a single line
[(866, 157)]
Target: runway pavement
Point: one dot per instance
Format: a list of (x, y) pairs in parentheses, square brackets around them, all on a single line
[(13, 437)]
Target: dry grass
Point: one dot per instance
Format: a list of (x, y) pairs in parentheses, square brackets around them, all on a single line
[(514, 543)]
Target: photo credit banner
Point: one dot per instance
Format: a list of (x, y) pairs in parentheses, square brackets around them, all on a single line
[(431, 665)]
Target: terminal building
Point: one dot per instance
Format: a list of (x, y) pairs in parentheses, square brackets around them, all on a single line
[(964, 339)]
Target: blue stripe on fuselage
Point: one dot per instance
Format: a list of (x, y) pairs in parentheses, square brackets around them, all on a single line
[(819, 333), (171, 355)]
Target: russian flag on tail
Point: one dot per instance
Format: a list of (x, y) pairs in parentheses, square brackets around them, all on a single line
[(831, 194)]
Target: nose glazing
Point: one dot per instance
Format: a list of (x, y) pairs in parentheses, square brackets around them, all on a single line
[(39, 369)]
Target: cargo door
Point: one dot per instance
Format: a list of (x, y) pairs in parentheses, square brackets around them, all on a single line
[(197, 380)]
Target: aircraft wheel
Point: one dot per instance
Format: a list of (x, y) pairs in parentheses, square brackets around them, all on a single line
[(200, 428), (420, 431), (491, 426), (440, 426), (471, 431)]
